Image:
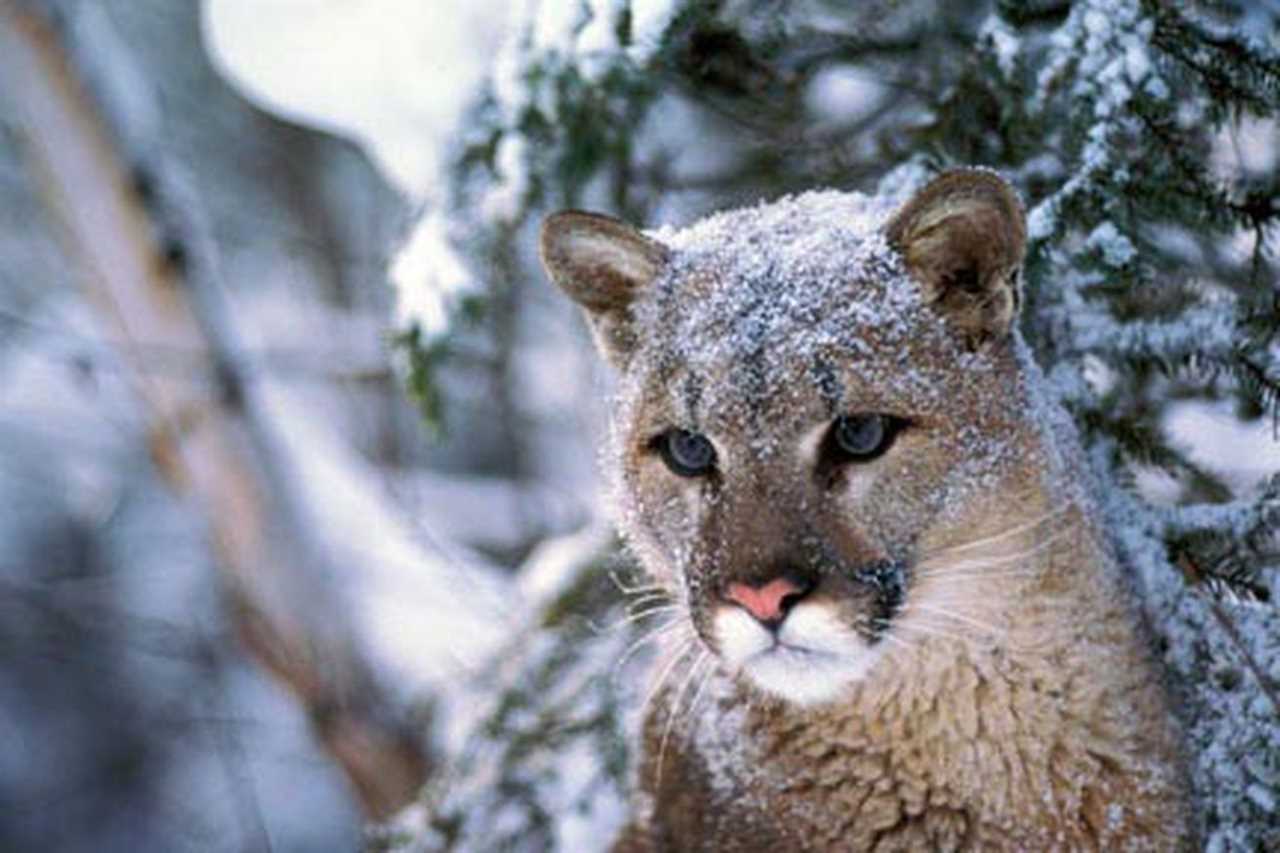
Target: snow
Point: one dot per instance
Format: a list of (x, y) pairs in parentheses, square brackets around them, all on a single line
[(555, 23), (649, 22), (843, 92), (1264, 798), (1109, 43), (391, 74), (790, 264), (1115, 248), (430, 278), (597, 44), (507, 80), (787, 257), (1234, 739), (1242, 453), (1042, 221), (1137, 63), (1205, 330), (413, 591), (1246, 146), (504, 200), (1004, 42), (551, 568)]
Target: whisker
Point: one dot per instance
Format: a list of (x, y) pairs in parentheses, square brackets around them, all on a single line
[(655, 608), (635, 617), (942, 573), (686, 646), (1018, 641), (644, 640), (697, 696), (648, 589), (674, 710), (649, 598), (1003, 534), (959, 617), (911, 649), (931, 629), (1040, 547), (630, 589), (998, 560)]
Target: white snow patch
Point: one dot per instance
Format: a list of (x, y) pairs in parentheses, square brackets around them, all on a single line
[(504, 200), (429, 277), (554, 25), (428, 610), (555, 564), (842, 93), (1116, 249), (1262, 798), (1137, 63), (392, 74), (1247, 145), (649, 22), (1043, 220), (1005, 43), (1242, 453), (1157, 485), (597, 45)]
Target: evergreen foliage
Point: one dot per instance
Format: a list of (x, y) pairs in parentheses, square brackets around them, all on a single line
[(1142, 135)]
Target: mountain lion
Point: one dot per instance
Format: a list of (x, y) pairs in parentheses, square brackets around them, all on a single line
[(899, 624)]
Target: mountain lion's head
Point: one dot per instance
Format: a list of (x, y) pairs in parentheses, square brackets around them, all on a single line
[(817, 399)]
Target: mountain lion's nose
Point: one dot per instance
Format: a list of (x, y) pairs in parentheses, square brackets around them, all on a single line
[(768, 602)]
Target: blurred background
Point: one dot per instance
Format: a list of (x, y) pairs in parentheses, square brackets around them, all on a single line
[(131, 715), (296, 470)]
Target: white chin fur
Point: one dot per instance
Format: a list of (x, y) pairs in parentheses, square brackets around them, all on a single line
[(814, 660)]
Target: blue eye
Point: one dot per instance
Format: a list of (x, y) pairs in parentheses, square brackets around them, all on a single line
[(861, 438), (687, 454)]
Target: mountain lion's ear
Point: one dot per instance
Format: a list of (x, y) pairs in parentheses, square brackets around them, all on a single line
[(963, 237), (602, 264)]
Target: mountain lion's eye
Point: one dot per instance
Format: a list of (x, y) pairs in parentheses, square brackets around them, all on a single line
[(688, 454), (861, 438)]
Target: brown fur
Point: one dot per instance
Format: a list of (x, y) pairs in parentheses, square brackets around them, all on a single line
[(1011, 702), (1020, 744)]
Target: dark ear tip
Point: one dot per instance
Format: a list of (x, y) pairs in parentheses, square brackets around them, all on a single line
[(981, 179), (976, 176), (562, 219), (564, 223), (952, 188), (981, 182), (568, 221), (562, 228)]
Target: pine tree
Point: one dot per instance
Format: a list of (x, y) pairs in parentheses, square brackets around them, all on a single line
[(1143, 137)]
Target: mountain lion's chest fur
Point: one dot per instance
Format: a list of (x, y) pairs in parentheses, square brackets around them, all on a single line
[(897, 623)]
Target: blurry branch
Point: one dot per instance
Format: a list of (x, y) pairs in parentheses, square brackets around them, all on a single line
[(207, 439), (317, 364)]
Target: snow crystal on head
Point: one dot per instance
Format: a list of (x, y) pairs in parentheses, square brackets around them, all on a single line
[(752, 296), (778, 262)]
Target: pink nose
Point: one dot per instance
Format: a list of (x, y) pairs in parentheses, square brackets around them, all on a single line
[(769, 602)]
